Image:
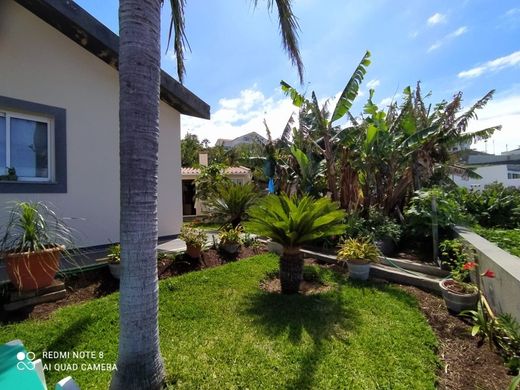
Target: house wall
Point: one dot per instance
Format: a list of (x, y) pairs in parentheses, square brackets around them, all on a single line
[(490, 174), (41, 65)]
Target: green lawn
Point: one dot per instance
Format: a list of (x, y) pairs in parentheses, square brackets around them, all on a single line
[(220, 331), (507, 239)]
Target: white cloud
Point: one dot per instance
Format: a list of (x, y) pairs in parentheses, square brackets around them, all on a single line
[(447, 38), (436, 19), (497, 64), (390, 99), (513, 12), (435, 46), (458, 32), (372, 84), (505, 111), (239, 115)]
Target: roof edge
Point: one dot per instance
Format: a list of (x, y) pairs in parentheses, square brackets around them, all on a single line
[(78, 25)]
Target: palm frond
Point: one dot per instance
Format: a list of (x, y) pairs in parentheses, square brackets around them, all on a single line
[(180, 40)]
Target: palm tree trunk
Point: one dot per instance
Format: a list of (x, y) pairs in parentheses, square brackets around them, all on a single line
[(291, 270), (139, 364)]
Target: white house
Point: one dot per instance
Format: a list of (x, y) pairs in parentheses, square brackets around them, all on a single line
[(503, 169), (59, 119)]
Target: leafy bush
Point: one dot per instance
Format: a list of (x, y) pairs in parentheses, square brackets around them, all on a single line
[(358, 250), (209, 179), (231, 236), (507, 239), (230, 201), (114, 253), (419, 214), (494, 206), (193, 236), (453, 255), (378, 226)]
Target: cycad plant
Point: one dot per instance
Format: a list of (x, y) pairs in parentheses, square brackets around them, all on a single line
[(230, 202), (293, 222)]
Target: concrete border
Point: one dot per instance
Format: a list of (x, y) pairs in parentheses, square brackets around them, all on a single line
[(502, 291)]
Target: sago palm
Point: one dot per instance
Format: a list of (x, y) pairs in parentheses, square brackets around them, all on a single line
[(293, 222), (230, 202)]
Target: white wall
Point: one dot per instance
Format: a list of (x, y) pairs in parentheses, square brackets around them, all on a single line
[(41, 65), (490, 174)]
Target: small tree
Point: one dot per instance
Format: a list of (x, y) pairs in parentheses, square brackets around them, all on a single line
[(230, 202), (293, 222), (190, 148)]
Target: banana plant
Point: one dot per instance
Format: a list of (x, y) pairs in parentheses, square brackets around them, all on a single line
[(323, 123)]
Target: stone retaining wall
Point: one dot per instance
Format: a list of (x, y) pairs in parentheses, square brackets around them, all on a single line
[(502, 291)]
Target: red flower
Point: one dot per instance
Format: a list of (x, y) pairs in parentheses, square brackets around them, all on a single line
[(489, 274), (470, 265)]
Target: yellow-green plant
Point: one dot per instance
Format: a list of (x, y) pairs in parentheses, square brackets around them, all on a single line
[(358, 250)]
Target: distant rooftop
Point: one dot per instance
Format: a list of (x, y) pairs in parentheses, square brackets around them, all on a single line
[(248, 138), (188, 171)]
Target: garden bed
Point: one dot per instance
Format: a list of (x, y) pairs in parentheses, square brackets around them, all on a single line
[(507, 239), (96, 283)]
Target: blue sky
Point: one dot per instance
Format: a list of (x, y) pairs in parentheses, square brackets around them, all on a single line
[(237, 61)]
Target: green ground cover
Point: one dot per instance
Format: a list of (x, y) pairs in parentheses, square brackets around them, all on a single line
[(220, 331), (507, 239)]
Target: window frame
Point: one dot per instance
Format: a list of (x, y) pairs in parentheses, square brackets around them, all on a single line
[(8, 115), (55, 117)]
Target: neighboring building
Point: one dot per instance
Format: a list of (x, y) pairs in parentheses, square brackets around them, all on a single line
[(193, 206), (59, 122), (249, 138), (504, 168)]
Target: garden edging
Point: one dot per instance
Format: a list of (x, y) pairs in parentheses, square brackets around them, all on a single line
[(501, 291)]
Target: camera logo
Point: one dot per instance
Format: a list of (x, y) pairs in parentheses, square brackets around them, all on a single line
[(22, 363)]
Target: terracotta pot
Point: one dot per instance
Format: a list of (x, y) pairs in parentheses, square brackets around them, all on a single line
[(456, 301), (358, 270), (193, 251), (33, 270)]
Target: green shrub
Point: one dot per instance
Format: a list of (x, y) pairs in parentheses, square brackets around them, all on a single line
[(453, 254), (419, 214), (114, 253), (230, 201), (193, 236), (494, 206)]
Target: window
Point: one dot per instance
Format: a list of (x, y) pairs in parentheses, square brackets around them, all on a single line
[(511, 175), (25, 142), (33, 142)]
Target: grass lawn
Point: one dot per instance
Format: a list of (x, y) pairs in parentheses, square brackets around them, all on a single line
[(220, 331), (507, 239)]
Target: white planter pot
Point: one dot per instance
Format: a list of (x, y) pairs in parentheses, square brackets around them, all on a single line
[(457, 302), (115, 270), (358, 271)]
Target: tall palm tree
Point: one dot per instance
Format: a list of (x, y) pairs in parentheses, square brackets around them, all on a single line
[(293, 222), (139, 363)]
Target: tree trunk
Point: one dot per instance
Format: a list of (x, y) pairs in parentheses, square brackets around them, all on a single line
[(139, 364), (291, 270)]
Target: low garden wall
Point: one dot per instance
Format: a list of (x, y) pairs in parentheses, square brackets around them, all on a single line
[(502, 291)]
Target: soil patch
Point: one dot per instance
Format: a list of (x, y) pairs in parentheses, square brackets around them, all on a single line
[(307, 287), (467, 363), (87, 285)]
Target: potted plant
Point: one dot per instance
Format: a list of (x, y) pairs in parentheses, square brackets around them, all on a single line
[(358, 254), (114, 263), (195, 240), (230, 240), (11, 175), (458, 294), (31, 243)]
